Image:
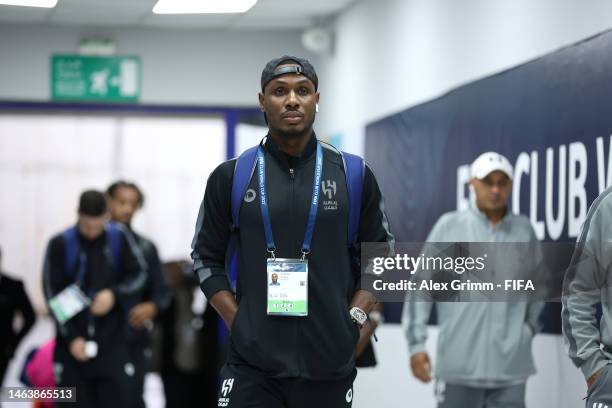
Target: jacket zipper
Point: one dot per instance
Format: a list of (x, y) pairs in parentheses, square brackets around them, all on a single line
[(292, 192)]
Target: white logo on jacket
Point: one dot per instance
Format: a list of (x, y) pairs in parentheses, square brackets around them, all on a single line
[(329, 190)]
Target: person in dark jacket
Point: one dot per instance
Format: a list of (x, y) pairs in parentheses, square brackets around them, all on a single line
[(302, 355), (189, 351), (13, 301), (91, 352), (124, 200)]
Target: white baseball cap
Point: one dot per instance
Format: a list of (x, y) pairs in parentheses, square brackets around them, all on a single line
[(489, 162)]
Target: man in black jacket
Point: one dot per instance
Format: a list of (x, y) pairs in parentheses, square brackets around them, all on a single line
[(276, 360), (125, 199), (91, 352), (13, 300)]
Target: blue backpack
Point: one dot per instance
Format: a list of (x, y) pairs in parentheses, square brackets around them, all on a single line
[(354, 171), (71, 250)]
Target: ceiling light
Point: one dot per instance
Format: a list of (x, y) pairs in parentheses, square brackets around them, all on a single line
[(30, 3), (202, 6)]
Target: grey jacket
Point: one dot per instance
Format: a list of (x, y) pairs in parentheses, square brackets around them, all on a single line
[(480, 343), (586, 284)]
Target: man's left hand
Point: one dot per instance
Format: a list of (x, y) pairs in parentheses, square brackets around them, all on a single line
[(141, 314)]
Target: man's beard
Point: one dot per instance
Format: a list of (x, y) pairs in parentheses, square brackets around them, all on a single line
[(291, 132)]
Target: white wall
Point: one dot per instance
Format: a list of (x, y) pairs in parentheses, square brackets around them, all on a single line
[(248, 136), (393, 54), (196, 67)]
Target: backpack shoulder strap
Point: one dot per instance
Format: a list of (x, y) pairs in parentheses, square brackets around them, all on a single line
[(245, 166), (113, 241), (71, 249), (354, 171)]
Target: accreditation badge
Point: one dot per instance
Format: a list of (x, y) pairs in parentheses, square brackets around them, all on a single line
[(287, 287), (68, 303)]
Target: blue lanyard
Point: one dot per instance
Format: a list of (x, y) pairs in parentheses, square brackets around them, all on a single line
[(314, 205)]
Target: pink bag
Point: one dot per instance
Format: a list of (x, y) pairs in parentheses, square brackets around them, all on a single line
[(40, 370), (40, 367)]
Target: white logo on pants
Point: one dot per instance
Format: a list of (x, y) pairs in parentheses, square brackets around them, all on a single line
[(226, 388), (349, 395)]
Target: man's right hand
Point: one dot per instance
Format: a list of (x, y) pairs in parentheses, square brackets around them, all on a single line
[(77, 349), (225, 304), (421, 366), (102, 303)]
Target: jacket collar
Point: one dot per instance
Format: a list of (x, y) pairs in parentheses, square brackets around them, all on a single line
[(291, 161), (87, 243)]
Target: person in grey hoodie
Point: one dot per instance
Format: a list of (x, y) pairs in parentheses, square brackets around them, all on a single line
[(586, 284), (484, 349)]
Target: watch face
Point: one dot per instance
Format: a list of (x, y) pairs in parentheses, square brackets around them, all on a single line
[(358, 315)]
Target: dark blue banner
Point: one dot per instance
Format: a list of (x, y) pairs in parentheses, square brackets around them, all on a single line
[(551, 117)]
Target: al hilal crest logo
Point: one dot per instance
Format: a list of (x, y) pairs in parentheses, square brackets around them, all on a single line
[(329, 190), (226, 388)]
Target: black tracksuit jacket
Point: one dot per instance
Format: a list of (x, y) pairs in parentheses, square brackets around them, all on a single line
[(321, 345), (110, 329)]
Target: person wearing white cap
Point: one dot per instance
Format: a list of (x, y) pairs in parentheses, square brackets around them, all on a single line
[(484, 349), (492, 183)]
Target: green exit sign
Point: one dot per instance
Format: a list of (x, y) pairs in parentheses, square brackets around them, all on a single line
[(95, 78)]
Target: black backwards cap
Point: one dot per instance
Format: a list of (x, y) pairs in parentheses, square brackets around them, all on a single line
[(300, 66)]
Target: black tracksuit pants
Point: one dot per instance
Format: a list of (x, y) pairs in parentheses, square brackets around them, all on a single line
[(103, 382), (138, 357), (243, 386)]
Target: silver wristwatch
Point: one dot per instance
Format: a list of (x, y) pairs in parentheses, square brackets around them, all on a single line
[(358, 316)]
